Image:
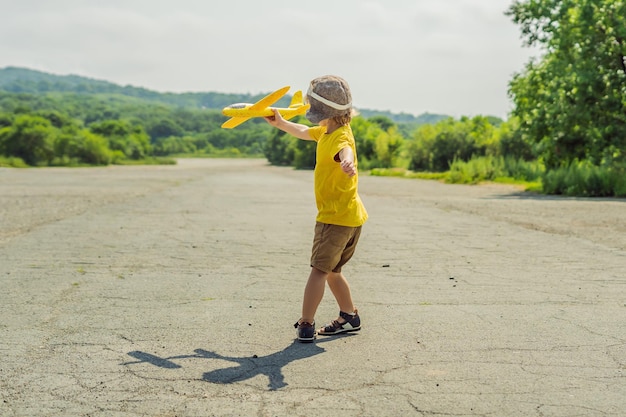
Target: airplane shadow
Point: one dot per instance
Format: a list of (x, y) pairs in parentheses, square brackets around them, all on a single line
[(246, 368)]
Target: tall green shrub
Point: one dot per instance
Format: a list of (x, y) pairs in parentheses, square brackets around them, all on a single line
[(30, 138), (583, 179), (435, 148)]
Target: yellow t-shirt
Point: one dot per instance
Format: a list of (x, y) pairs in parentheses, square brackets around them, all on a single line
[(336, 194)]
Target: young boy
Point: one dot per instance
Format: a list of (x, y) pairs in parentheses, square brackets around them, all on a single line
[(340, 210)]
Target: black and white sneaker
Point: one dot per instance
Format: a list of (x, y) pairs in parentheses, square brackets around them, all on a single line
[(305, 331), (350, 323)]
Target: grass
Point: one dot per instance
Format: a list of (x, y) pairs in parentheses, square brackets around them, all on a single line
[(485, 169), (577, 179), (490, 168), (405, 173), (157, 160), (12, 162), (215, 155)]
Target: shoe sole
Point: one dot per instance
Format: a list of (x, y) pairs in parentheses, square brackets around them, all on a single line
[(340, 331), (307, 340)]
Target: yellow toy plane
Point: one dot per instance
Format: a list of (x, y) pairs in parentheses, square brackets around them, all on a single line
[(241, 112)]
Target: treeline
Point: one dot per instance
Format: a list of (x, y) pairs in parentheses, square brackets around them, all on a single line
[(76, 129), (437, 149), (81, 129), (73, 129)]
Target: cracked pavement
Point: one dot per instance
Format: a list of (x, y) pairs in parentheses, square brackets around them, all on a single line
[(172, 291)]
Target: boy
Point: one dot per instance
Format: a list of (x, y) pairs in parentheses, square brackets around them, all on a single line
[(340, 210)]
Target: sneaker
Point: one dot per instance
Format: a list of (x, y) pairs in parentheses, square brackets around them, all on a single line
[(352, 323), (305, 331)]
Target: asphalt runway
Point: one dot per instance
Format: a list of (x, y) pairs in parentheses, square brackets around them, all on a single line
[(172, 291)]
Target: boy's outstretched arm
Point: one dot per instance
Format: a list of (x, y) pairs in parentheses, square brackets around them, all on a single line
[(346, 158), (295, 129)]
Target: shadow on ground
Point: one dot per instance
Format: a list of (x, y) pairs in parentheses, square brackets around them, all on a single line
[(246, 367)]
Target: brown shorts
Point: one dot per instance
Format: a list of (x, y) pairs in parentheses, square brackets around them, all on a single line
[(333, 246)]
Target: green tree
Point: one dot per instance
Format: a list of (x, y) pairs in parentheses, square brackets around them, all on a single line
[(513, 143), (419, 148), (378, 142), (82, 146), (365, 134), (436, 147), (164, 128), (5, 120), (30, 138), (278, 148), (387, 147), (123, 136), (453, 142), (175, 145), (572, 101), (304, 154), (384, 122), (56, 118)]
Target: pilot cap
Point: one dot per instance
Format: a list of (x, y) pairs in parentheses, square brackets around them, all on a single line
[(329, 96)]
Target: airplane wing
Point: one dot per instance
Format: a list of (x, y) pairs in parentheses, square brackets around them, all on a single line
[(234, 122), (270, 99)]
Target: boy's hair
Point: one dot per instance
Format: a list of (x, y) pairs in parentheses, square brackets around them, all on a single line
[(344, 119)]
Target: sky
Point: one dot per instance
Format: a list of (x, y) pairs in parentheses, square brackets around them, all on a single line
[(453, 57)]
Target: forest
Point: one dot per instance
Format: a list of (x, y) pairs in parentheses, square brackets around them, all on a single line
[(565, 135)]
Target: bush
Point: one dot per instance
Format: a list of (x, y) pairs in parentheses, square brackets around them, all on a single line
[(12, 162), (379, 142), (75, 147), (490, 168), (304, 154), (123, 136), (583, 179), (435, 148), (174, 145), (30, 138), (278, 149)]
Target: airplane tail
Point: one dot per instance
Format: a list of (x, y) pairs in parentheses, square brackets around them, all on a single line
[(296, 100)]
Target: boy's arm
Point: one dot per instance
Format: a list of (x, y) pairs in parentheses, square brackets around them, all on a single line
[(346, 159), (295, 129)]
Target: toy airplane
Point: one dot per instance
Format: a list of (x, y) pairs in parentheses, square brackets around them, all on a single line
[(241, 112)]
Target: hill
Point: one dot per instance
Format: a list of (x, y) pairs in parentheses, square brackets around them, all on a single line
[(24, 80)]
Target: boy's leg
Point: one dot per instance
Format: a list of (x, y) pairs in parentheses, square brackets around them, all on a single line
[(348, 320), (341, 290), (313, 294)]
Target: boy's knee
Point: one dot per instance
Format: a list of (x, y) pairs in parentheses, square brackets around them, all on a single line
[(318, 272)]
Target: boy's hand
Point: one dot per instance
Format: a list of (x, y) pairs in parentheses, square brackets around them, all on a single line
[(347, 166), (295, 129), (274, 120)]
